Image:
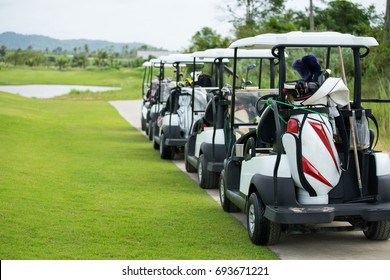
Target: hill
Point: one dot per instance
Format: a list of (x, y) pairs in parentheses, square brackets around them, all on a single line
[(13, 40)]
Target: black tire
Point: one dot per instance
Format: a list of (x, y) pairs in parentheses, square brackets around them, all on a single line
[(143, 123), (261, 231), (150, 130), (189, 167), (156, 146), (226, 204), (206, 179), (213, 180), (147, 131), (202, 172), (166, 152), (378, 230)]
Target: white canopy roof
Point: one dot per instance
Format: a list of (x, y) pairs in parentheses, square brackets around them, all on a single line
[(152, 62), (298, 38), (155, 62), (229, 53), (184, 58)]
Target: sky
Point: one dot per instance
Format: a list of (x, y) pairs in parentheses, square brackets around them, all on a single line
[(168, 24)]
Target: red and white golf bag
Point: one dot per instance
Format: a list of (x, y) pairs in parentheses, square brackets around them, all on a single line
[(314, 161)]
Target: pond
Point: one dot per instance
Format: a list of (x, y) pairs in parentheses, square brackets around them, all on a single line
[(48, 91)]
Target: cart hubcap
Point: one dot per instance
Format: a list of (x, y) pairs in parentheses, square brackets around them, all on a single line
[(200, 171), (222, 191), (251, 219), (161, 145)]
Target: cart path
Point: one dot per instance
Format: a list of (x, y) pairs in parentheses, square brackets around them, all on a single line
[(319, 246)]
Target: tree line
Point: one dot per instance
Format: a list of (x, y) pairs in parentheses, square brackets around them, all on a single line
[(253, 17), (79, 57)]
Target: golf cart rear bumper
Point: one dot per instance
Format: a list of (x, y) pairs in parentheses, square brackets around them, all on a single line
[(314, 214)]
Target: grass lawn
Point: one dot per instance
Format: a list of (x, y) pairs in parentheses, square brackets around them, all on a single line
[(130, 80), (77, 182)]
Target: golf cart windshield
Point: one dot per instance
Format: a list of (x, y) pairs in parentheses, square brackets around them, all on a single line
[(166, 87), (245, 116)]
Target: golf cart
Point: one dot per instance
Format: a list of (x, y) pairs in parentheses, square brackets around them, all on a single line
[(172, 129), (206, 150), (158, 93), (146, 91), (305, 165)]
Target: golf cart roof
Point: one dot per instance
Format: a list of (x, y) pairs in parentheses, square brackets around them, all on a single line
[(184, 58), (151, 62), (154, 62), (307, 39), (205, 57), (201, 58), (229, 53)]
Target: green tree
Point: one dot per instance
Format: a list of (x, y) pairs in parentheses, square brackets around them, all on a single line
[(3, 51), (125, 51), (101, 57), (207, 38), (79, 60), (345, 17), (86, 55), (276, 24), (386, 27), (57, 50), (15, 57), (62, 61), (248, 14)]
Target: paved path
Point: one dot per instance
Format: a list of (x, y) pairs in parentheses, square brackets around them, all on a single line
[(319, 246)]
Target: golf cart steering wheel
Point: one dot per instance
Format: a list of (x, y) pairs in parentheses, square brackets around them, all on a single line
[(261, 103)]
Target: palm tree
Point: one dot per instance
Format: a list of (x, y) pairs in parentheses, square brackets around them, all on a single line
[(102, 55), (387, 23), (61, 61), (311, 16), (86, 53)]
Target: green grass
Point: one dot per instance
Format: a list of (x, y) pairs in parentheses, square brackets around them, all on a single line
[(78, 182), (129, 80)]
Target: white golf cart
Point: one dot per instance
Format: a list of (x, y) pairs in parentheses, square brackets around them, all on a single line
[(146, 91), (174, 122), (206, 150), (296, 172), (157, 94)]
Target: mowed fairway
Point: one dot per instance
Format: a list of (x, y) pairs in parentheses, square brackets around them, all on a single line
[(77, 182)]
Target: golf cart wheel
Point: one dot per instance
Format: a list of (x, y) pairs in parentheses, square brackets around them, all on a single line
[(143, 123), (166, 152), (226, 204), (189, 167), (206, 179), (261, 231), (150, 131), (378, 230), (156, 146), (213, 180), (202, 172), (147, 131)]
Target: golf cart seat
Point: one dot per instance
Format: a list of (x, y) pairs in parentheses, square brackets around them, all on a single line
[(205, 80), (173, 101), (215, 118), (266, 129)]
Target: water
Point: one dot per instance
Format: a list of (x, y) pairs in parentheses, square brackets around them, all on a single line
[(48, 91)]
